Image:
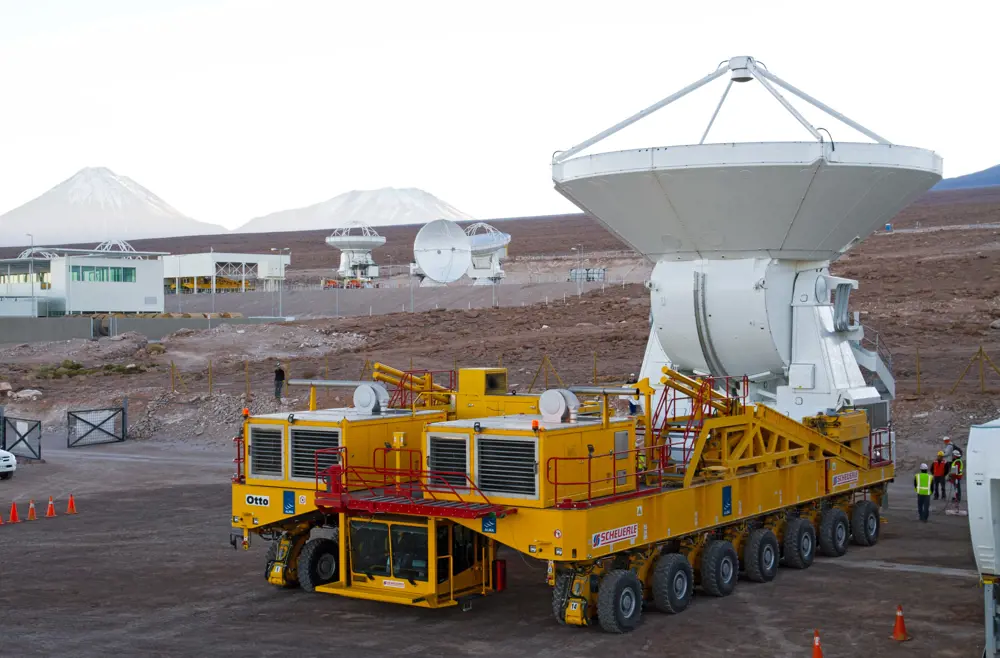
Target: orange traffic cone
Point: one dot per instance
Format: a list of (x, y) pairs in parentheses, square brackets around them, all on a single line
[(1, 519), (817, 649), (13, 513), (899, 630), (31, 511), (51, 511), (71, 508)]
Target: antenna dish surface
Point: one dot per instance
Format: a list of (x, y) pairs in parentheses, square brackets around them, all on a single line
[(355, 236), (786, 200), (442, 250)]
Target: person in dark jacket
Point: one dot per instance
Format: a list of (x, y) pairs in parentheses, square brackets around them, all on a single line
[(279, 381)]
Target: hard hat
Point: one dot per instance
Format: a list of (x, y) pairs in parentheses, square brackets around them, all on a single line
[(923, 467), (940, 453), (957, 453), (947, 440)]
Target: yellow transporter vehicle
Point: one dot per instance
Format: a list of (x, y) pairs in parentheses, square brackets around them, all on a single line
[(281, 458), (729, 488)]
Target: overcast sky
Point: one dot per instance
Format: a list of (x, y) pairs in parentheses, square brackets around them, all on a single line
[(229, 110)]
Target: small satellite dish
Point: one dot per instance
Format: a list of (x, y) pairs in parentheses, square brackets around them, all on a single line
[(371, 398), (443, 251)]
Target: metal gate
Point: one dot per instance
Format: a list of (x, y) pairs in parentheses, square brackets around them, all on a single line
[(94, 426), (21, 436)]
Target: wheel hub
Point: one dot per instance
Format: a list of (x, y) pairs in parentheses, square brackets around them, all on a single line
[(726, 570), (680, 585), (841, 534), (768, 558), (626, 603), (326, 566), (806, 545), (872, 524)]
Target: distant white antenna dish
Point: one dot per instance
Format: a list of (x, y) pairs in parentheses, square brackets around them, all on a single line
[(443, 251), (356, 241), (489, 247), (119, 246)]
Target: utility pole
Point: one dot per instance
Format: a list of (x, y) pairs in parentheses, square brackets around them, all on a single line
[(31, 276), (281, 279), (579, 267)]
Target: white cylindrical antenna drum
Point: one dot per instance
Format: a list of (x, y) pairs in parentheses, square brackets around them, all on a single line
[(356, 241), (443, 251)]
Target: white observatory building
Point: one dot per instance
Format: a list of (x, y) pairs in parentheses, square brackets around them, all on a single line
[(356, 241), (742, 236), (444, 253)]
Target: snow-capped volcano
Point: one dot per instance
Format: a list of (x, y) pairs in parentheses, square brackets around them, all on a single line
[(388, 206), (94, 205)]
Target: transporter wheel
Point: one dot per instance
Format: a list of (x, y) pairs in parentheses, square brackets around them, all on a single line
[(866, 522), (800, 543), (560, 595), (834, 532), (761, 556), (673, 583), (6, 476), (318, 563), (291, 577), (619, 601), (720, 568)]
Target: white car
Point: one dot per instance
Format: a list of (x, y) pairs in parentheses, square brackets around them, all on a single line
[(8, 464)]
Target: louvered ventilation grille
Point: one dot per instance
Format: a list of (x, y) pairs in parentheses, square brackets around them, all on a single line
[(506, 467), (305, 443), (265, 451), (450, 455)]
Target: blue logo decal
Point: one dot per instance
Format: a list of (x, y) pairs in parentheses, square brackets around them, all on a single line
[(490, 524), (289, 500), (727, 500)]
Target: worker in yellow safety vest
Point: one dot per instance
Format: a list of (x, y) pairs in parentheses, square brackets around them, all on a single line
[(922, 483), (957, 474)]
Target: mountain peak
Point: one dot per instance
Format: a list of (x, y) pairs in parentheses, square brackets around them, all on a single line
[(386, 206), (96, 204)]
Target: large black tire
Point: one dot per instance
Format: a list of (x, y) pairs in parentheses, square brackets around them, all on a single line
[(799, 544), (834, 532), (560, 595), (6, 476), (761, 556), (319, 563), (619, 601), (291, 577), (720, 568), (866, 522), (673, 583)]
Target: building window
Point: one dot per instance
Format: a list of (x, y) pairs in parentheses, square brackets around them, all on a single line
[(90, 273)]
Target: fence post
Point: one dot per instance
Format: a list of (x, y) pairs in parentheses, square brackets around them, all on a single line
[(3, 431), (125, 418), (173, 387), (982, 371)]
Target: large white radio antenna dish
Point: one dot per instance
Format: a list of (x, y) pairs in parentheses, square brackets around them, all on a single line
[(443, 251)]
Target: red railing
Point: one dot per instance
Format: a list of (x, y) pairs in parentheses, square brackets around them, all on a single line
[(880, 447), (239, 477), (630, 459), (411, 482), (403, 398)]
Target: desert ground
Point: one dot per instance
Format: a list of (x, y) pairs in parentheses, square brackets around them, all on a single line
[(146, 568)]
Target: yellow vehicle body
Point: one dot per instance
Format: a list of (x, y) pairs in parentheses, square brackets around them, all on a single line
[(614, 517)]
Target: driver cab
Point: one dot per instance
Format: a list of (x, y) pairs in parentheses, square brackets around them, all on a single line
[(428, 562)]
